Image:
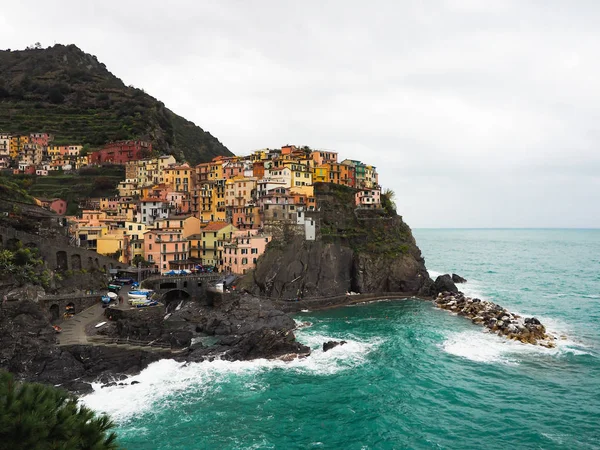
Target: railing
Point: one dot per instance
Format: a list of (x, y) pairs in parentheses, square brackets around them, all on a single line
[(70, 296)]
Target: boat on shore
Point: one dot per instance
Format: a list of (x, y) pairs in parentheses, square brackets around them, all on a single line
[(140, 294)]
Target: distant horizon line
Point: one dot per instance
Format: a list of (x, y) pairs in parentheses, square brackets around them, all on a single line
[(506, 228)]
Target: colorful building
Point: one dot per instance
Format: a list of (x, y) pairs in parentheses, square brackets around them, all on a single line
[(368, 198), (242, 252), (121, 152), (167, 249), (212, 234)]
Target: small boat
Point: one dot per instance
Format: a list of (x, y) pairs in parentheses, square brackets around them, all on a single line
[(145, 304), (140, 293), (57, 328), (105, 299), (112, 295)]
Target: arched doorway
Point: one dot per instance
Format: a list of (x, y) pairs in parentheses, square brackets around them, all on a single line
[(54, 312), (61, 260), (173, 298)]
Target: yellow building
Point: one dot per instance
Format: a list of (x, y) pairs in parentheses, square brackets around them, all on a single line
[(239, 190), (81, 161), (213, 234), (215, 171), (114, 243), (188, 225), (321, 174), (301, 173), (16, 145), (135, 233), (179, 178)]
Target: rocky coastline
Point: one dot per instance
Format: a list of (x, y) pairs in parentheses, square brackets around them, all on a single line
[(492, 316), (236, 326)]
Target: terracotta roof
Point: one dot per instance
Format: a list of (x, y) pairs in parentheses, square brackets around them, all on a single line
[(215, 226)]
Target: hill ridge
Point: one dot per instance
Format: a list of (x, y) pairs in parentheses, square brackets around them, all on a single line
[(66, 92)]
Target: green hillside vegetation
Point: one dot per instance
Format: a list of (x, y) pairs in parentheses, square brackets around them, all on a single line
[(72, 187), (35, 416), (12, 190), (65, 92)]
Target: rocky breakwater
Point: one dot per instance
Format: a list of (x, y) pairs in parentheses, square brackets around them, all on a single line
[(496, 318)]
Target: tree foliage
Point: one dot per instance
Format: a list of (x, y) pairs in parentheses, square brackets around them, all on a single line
[(38, 417), (388, 201)]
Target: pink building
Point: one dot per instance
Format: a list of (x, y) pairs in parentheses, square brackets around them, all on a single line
[(368, 198), (166, 249), (40, 138), (240, 255), (58, 205)]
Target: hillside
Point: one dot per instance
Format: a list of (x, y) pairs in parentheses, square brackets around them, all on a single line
[(68, 93), (72, 187)]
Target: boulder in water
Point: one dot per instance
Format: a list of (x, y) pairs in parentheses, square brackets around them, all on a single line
[(444, 283), (458, 279), (332, 344)]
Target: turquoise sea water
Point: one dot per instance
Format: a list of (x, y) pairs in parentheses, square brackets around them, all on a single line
[(411, 376)]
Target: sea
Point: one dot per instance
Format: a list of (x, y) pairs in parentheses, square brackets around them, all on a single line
[(410, 376)]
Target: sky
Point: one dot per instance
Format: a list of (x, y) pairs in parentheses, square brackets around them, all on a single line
[(475, 113)]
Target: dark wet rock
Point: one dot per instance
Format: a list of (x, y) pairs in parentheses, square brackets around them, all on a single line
[(444, 283), (78, 387), (135, 382), (266, 343), (496, 318), (332, 344), (370, 252), (458, 279)]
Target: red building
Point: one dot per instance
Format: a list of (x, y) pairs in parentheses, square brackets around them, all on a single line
[(40, 138), (121, 152)]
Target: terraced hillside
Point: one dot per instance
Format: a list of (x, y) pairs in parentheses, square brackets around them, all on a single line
[(63, 91), (72, 187)]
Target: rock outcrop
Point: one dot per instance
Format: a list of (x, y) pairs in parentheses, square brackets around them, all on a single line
[(362, 251), (496, 318), (28, 349), (458, 279), (244, 327), (332, 344), (443, 283)]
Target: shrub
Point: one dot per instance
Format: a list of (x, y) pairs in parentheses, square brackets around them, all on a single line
[(35, 416)]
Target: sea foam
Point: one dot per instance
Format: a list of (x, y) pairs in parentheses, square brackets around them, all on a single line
[(161, 381)]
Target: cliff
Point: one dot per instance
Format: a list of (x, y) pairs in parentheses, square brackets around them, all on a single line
[(66, 92), (362, 251)]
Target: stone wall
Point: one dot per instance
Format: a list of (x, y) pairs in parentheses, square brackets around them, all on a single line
[(56, 304), (57, 252), (177, 287)]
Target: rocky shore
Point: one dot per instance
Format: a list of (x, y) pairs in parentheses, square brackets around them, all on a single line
[(496, 318)]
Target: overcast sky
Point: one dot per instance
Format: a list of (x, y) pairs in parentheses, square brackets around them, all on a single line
[(476, 113)]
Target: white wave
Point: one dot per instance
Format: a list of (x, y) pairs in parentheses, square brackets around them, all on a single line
[(434, 274), (486, 347), (162, 379), (472, 288)]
